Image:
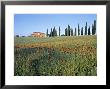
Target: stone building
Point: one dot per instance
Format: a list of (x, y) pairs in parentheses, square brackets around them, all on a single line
[(38, 34)]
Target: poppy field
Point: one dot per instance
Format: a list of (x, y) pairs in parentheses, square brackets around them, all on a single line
[(55, 56)]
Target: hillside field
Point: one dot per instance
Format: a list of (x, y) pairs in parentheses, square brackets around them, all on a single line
[(55, 56)]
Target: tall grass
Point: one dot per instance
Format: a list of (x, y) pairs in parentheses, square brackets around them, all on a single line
[(57, 56)]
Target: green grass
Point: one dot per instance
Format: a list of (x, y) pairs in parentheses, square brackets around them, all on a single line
[(56, 56)]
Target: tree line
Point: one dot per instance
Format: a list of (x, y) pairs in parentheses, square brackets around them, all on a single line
[(69, 31)]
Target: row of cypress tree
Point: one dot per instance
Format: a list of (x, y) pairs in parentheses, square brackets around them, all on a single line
[(78, 31)]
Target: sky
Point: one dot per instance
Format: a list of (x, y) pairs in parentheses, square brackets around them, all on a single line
[(26, 24)]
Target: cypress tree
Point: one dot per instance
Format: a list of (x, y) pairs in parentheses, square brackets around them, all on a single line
[(47, 33), (66, 32), (54, 32), (89, 31), (75, 31), (71, 32), (78, 30), (59, 30), (51, 33), (82, 31), (94, 27), (86, 29)]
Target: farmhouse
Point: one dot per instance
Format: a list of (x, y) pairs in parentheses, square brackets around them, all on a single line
[(38, 34)]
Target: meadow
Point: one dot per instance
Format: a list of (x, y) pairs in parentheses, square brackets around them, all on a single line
[(55, 56)]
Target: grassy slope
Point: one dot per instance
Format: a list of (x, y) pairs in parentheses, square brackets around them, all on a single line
[(67, 56)]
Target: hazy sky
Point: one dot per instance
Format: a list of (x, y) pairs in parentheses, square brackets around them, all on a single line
[(25, 24)]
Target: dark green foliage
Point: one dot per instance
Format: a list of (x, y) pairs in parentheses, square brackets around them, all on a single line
[(71, 32), (51, 33), (17, 35), (54, 32), (86, 29), (75, 32), (82, 31), (62, 35), (89, 31), (59, 30), (66, 32), (78, 30), (47, 33), (94, 28)]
